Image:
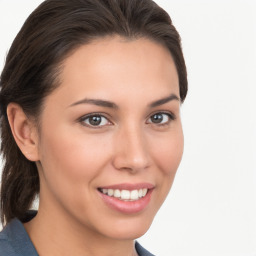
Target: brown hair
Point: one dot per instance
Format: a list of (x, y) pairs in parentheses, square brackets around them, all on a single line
[(54, 30)]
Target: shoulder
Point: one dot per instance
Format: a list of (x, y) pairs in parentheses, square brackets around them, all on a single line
[(14, 240), (142, 251), (5, 247)]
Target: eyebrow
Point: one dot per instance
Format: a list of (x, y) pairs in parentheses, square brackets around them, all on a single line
[(164, 100), (97, 102), (109, 104)]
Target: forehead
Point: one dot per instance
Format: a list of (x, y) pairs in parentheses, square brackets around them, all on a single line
[(120, 51), (116, 65)]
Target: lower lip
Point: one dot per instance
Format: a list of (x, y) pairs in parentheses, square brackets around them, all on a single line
[(128, 207)]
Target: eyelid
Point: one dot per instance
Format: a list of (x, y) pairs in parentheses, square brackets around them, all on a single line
[(84, 117), (170, 114)]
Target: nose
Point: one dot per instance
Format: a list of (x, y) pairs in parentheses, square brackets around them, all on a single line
[(131, 152)]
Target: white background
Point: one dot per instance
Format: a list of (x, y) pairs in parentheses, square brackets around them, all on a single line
[(211, 209)]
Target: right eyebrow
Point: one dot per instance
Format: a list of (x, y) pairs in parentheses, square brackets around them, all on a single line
[(97, 102), (164, 100)]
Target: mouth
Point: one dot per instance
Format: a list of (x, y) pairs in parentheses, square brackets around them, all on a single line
[(127, 198), (125, 195)]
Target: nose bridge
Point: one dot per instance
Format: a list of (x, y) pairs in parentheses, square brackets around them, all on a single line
[(131, 148)]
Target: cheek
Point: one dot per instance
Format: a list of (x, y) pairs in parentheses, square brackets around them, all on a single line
[(71, 158), (168, 154), (167, 159), (71, 165)]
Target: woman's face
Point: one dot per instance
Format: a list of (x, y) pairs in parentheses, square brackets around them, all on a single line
[(111, 137)]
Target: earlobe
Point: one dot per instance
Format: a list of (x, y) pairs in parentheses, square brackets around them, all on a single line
[(23, 131)]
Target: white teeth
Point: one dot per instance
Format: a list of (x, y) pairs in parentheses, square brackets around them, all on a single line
[(110, 192), (140, 192), (117, 193), (135, 195), (126, 194)]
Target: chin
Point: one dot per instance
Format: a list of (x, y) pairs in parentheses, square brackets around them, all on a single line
[(129, 229)]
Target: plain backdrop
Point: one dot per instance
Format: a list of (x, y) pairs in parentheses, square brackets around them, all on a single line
[(211, 209)]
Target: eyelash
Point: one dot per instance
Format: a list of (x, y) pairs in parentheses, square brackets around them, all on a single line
[(171, 117), (86, 117)]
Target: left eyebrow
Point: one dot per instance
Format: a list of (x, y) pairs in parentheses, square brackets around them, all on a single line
[(164, 100), (97, 102)]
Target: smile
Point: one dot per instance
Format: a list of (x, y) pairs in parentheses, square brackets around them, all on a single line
[(125, 195), (127, 198)]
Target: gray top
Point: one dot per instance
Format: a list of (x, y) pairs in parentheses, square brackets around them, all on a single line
[(14, 241)]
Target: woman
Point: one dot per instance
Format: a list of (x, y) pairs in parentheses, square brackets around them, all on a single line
[(90, 99)]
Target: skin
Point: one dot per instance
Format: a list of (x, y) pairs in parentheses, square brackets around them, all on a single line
[(75, 158)]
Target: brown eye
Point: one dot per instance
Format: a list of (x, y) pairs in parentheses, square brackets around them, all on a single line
[(161, 118), (95, 120), (157, 118)]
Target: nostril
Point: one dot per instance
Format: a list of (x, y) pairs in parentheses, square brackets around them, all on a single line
[(131, 151)]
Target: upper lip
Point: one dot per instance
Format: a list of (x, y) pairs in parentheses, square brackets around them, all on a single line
[(129, 186)]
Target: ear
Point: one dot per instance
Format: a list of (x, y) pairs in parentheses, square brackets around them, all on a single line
[(24, 131)]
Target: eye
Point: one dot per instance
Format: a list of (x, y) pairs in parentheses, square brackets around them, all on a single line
[(94, 120), (161, 118)]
